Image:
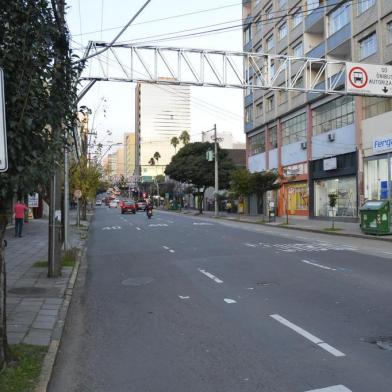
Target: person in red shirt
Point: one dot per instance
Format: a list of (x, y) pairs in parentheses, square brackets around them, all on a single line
[(19, 210)]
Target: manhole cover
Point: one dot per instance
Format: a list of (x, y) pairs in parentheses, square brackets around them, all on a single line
[(137, 281), (31, 291)]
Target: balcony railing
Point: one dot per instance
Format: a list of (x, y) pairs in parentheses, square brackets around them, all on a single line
[(312, 18), (317, 52), (340, 37)]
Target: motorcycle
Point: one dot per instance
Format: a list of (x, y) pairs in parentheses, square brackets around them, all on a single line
[(149, 213)]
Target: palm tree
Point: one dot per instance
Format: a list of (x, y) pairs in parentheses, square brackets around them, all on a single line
[(151, 162), (174, 142), (157, 156), (184, 137)]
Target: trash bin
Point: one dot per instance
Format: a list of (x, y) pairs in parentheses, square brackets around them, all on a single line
[(376, 217)]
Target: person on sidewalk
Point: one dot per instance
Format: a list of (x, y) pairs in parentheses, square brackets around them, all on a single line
[(19, 210)]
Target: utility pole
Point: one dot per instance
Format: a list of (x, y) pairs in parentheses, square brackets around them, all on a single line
[(216, 172), (54, 248)]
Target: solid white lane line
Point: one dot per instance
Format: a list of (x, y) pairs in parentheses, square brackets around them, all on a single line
[(213, 277), (307, 335), (230, 301), (183, 297), (165, 247), (250, 245), (335, 388), (318, 265)]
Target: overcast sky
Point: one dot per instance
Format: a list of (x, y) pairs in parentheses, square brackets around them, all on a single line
[(113, 103)]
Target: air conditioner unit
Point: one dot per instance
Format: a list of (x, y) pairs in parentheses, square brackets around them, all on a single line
[(304, 145), (331, 137)]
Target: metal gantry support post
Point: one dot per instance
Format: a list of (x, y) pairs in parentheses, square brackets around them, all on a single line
[(216, 172), (66, 198)]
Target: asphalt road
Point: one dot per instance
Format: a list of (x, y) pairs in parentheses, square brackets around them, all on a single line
[(188, 304)]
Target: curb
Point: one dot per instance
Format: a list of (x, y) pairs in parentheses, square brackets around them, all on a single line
[(309, 230), (50, 357)]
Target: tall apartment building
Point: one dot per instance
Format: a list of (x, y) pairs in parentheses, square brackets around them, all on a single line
[(161, 112), (129, 154), (320, 143)]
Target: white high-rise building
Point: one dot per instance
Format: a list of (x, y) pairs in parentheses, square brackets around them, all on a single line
[(161, 113)]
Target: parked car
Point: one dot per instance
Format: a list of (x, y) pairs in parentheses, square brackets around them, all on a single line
[(113, 204), (128, 206), (98, 202), (141, 205)]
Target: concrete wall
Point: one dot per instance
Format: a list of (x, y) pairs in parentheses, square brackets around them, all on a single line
[(256, 163), (293, 153), (273, 159), (344, 143)]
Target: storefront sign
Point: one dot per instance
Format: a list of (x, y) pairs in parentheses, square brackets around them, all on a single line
[(330, 163), (295, 170), (382, 144), (33, 200)]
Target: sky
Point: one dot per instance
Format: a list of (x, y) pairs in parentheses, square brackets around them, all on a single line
[(113, 103)]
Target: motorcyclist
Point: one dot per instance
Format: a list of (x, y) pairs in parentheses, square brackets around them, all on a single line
[(149, 208)]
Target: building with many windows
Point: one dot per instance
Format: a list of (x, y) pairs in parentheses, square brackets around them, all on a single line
[(320, 144), (162, 112)]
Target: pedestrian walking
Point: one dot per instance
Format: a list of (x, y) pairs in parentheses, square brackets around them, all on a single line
[(19, 210)]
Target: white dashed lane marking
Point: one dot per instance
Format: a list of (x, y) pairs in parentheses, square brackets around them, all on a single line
[(318, 265), (230, 301), (308, 336), (209, 275), (335, 388)]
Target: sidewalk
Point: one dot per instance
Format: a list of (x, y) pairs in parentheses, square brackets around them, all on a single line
[(350, 229), (33, 299)]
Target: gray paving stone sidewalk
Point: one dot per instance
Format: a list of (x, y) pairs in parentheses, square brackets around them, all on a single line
[(33, 299)]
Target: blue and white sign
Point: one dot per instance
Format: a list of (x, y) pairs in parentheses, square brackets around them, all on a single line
[(3, 134), (382, 144)]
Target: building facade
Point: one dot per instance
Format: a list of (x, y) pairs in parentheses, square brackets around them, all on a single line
[(129, 154), (320, 144), (161, 113)]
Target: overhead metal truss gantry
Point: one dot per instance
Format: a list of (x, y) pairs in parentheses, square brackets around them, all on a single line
[(215, 68)]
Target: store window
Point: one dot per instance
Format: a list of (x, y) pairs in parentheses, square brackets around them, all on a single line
[(333, 115), (297, 195), (294, 130), (345, 188), (377, 179), (368, 46), (373, 106), (339, 18), (257, 143), (364, 5), (273, 137)]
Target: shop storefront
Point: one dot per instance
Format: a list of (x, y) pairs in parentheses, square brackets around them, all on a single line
[(294, 193), (378, 177), (336, 175)]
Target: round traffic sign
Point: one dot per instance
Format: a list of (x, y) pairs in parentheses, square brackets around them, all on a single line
[(78, 193), (358, 77)]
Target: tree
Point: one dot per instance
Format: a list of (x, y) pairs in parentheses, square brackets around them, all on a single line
[(190, 166), (157, 156), (174, 142), (333, 197), (184, 137), (40, 92), (240, 182), (151, 162)]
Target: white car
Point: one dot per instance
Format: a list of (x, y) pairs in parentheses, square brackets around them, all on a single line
[(98, 202), (113, 204)]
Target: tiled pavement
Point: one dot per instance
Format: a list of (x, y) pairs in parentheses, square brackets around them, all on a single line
[(33, 299)]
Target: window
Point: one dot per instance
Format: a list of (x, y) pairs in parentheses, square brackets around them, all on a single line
[(312, 5), (259, 26), (270, 42), (259, 109), (294, 130), (339, 18), (363, 5), (368, 46), (298, 50), (257, 143), (389, 32), (273, 137), (373, 106), (272, 70), (282, 4), (297, 18), (270, 103), (333, 115), (247, 35), (248, 114), (269, 13), (283, 31)]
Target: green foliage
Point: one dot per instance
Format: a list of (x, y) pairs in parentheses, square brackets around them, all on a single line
[(160, 178), (240, 182), (333, 197), (190, 166), (157, 156), (261, 182), (85, 176), (174, 142), (151, 161), (184, 138), (40, 90), (24, 374)]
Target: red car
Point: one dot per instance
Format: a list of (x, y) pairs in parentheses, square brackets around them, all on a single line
[(127, 206)]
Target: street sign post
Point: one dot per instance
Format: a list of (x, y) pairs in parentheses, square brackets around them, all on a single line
[(3, 133), (369, 79)]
